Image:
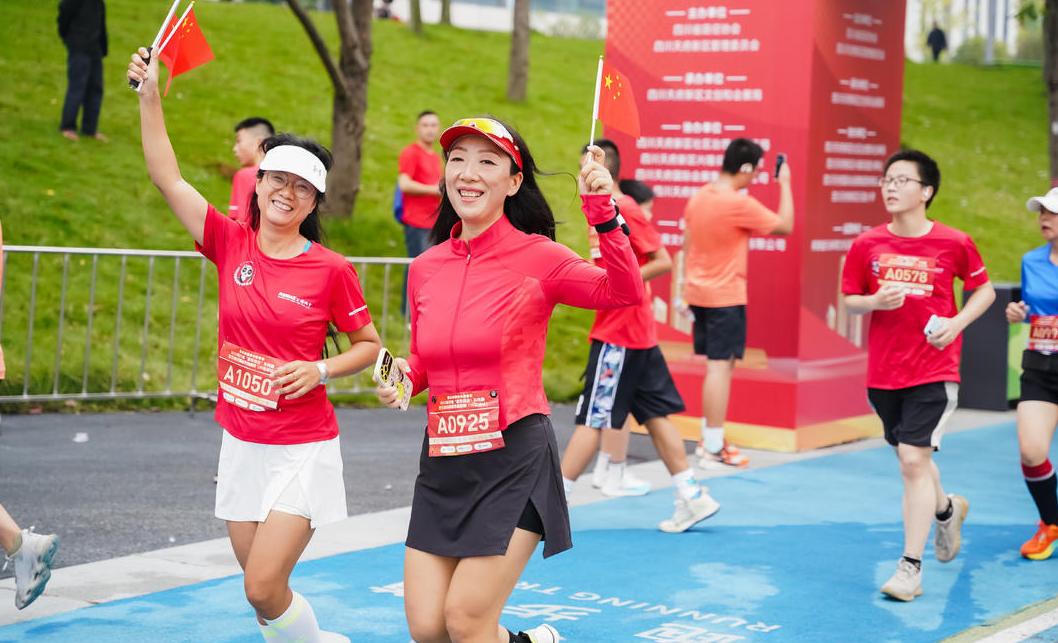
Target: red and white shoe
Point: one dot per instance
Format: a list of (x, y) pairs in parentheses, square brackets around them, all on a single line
[(727, 456)]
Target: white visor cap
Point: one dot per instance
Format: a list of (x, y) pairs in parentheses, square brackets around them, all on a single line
[(298, 161), (1048, 201)]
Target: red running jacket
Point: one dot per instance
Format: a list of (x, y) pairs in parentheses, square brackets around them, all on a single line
[(479, 309)]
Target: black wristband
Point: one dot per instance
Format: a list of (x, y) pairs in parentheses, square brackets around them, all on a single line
[(617, 222)]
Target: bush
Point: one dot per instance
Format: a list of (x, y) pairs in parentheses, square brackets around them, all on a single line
[(1030, 43), (972, 51)]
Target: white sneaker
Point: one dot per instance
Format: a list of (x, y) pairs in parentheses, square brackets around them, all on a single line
[(905, 584), (627, 485), (689, 513), (32, 565), (947, 536), (543, 634), (333, 637)]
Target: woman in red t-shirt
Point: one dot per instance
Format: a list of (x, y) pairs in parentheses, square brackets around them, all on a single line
[(280, 470), (489, 485)]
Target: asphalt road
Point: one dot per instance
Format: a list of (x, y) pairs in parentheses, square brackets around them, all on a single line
[(144, 481)]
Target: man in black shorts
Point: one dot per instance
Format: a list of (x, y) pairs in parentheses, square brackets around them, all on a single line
[(627, 373), (719, 220)]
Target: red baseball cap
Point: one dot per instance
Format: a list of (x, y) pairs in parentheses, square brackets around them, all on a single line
[(487, 127)]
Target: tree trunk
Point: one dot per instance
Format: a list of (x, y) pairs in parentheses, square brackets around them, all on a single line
[(349, 79), (446, 12), (518, 74), (1050, 79), (415, 17)]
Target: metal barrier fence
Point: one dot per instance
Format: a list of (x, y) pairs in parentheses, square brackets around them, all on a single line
[(130, 324)]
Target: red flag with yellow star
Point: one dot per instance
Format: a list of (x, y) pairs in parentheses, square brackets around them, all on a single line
[(617, 103), (186, 50)]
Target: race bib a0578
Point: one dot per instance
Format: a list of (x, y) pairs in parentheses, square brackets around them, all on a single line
[(913, 274)]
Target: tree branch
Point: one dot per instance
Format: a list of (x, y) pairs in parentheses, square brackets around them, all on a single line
[(337, 79), (350, 36)]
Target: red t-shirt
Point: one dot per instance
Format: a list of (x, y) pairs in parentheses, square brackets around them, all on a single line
[(898, 355), (243, 185), (280, 308), (632, 326), (423, 166)]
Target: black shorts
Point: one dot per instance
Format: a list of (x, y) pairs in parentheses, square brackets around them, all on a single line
[(1039, 377), (915, 415), (620, 380), (720, 333)]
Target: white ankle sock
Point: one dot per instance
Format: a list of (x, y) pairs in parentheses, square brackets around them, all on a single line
[(713, 438), (615, 473), (298, 623), (567, 485), (684, 485), (602, 461)]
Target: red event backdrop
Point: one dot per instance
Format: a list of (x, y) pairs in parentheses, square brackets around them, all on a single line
[(822, 81)]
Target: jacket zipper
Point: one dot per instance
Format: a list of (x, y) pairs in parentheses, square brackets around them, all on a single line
[(455, 316)]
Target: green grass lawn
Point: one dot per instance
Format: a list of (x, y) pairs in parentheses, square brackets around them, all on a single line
[(986, 126)]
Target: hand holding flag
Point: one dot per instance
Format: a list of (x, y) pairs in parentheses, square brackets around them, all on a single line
[(183, 48)]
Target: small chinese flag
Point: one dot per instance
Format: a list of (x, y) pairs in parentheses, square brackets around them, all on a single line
[(617, 103), (186, 50)]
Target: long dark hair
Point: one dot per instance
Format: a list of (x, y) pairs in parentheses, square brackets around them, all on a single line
[(310, 228), (527, 210)]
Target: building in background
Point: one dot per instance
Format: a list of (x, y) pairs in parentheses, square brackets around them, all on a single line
[(575, 18)]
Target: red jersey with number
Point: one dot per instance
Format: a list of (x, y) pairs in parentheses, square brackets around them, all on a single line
[(423, 166), (243, 186), (280, 308), (631, 326), (898, 355), (479, 309)]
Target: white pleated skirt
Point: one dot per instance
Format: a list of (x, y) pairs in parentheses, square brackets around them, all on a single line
[(303, 479)]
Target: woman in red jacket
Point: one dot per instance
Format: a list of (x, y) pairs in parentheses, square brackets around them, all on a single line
[(489, 485)]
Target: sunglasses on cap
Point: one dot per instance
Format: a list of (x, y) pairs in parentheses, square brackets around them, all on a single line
[(488, 127)]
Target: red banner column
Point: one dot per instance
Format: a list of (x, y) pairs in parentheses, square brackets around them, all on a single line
[(822, 81)]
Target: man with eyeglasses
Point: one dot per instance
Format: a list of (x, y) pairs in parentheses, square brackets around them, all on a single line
[(719, 220), (903, 272)]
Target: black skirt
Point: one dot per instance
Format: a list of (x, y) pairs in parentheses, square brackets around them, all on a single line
[(469, 505)]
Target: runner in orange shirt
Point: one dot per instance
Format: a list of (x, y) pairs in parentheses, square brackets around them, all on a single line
[(719, 220)]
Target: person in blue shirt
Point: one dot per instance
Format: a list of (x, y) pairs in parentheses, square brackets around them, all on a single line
[(1038, 408)]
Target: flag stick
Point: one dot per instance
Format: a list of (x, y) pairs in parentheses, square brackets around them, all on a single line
[(595, 106), (179, 23), (135, 85), (165, 23)]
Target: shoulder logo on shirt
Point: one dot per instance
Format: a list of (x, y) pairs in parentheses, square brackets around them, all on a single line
[(304, 303), (244, 274)]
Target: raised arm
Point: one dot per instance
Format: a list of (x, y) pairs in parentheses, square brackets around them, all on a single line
[(184, 200)]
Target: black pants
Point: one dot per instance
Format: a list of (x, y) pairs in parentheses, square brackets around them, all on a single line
[(84, 87)]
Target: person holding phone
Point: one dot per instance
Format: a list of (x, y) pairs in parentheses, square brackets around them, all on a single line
[(903, 273), (720, 218), (489, 485), (279, 291)]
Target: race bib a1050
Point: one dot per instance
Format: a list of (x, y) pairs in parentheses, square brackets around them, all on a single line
[(463, 423), (245, 378)]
